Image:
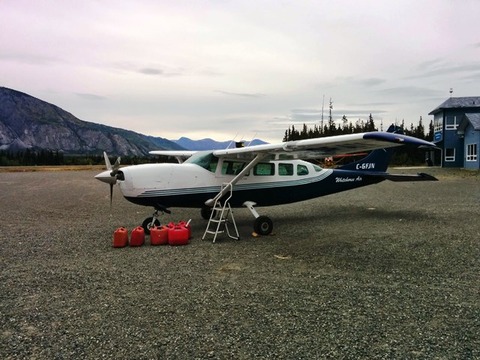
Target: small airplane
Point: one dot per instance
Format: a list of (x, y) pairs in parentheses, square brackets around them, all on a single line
[(260, 175)]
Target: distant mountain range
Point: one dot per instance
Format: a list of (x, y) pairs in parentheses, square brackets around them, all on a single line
[(209, 144), (30, 123)]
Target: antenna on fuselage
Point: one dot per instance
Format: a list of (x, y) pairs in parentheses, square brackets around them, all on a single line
[(253, 138), (232, 141)]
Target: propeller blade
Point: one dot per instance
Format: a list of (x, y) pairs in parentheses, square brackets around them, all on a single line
[(107, 161), (111, 195), (109, 176), (115, 167)]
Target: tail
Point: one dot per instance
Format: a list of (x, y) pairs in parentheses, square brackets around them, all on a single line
[(377, 160)]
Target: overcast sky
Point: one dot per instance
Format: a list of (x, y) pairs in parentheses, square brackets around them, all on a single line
[(240, 68)]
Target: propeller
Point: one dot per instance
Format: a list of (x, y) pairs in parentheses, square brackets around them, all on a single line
[(110, 175)]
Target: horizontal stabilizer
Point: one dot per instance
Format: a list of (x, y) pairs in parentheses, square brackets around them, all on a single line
[(416, 177)]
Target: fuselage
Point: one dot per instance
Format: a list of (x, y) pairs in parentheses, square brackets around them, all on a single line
[(275, 182)]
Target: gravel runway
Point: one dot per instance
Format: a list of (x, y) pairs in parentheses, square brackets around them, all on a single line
[(389, 271)]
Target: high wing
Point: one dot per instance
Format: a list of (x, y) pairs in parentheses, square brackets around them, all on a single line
[(180, 155), (325, 146), (312, 148)]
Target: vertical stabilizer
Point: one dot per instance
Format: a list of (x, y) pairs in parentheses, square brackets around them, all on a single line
[(377, 160)]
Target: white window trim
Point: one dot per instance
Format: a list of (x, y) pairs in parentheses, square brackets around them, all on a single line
[(472, 155), (450, 158), (453, 126)]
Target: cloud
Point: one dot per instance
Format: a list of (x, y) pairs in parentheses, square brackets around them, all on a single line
[(159, 72), (370, 82), (30, 59), (409, 91), (438, 67), (150, 71), (251, 95), (262, 59), (90, 96)]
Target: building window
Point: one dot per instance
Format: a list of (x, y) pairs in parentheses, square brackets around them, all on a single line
[(451, 123), (472, 152), (450, 154), (437, 124)]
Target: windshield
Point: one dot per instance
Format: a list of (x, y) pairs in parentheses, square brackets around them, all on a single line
[(205, 159)]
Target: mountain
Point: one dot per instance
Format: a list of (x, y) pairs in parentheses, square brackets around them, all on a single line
[(210, 144), (30, 123)]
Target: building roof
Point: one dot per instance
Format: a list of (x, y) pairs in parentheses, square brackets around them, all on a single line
[(473, 119), (458, 103)]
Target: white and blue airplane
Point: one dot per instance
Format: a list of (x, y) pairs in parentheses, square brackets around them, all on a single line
[(261, 175)]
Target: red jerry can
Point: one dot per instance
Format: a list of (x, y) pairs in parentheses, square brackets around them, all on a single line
[(159, 235), (120, 237), (138, 236), (187, 226), (178, 236)]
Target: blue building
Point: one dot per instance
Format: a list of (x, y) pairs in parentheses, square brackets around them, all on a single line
[(457, 131)]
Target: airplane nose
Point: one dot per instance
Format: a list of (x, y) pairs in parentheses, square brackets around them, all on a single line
[(106, 177)]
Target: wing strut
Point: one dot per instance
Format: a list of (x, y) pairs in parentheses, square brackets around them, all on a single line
[(241, 174)]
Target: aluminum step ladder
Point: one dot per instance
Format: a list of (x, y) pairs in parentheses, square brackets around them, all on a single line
[(221, 217)]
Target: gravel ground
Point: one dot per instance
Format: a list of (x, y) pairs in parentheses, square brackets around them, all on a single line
[(388, 271)]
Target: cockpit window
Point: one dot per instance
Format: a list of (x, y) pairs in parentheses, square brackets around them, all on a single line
[(302, 170), (317, 168), (204, 159)]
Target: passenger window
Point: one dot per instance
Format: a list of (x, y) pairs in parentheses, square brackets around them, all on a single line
[(285, 169), (264, 169), (232, 167), (302, 170)]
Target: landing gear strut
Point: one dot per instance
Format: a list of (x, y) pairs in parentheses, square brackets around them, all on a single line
[(153, 221), (262, 225)]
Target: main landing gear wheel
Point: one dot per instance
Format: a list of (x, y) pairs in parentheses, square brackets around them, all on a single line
[(206, 212), (148, 223), (263, 225)]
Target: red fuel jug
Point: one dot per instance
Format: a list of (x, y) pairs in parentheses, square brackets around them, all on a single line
[(187, 226), (120, 237), (159, 235), (138, 236), (178, 236)]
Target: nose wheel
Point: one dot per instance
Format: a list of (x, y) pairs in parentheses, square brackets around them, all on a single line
[(149, 223), (153, 221)]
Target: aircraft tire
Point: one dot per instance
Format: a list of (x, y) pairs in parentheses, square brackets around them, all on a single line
[(263, 225), (147, 224), (205, 212)]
